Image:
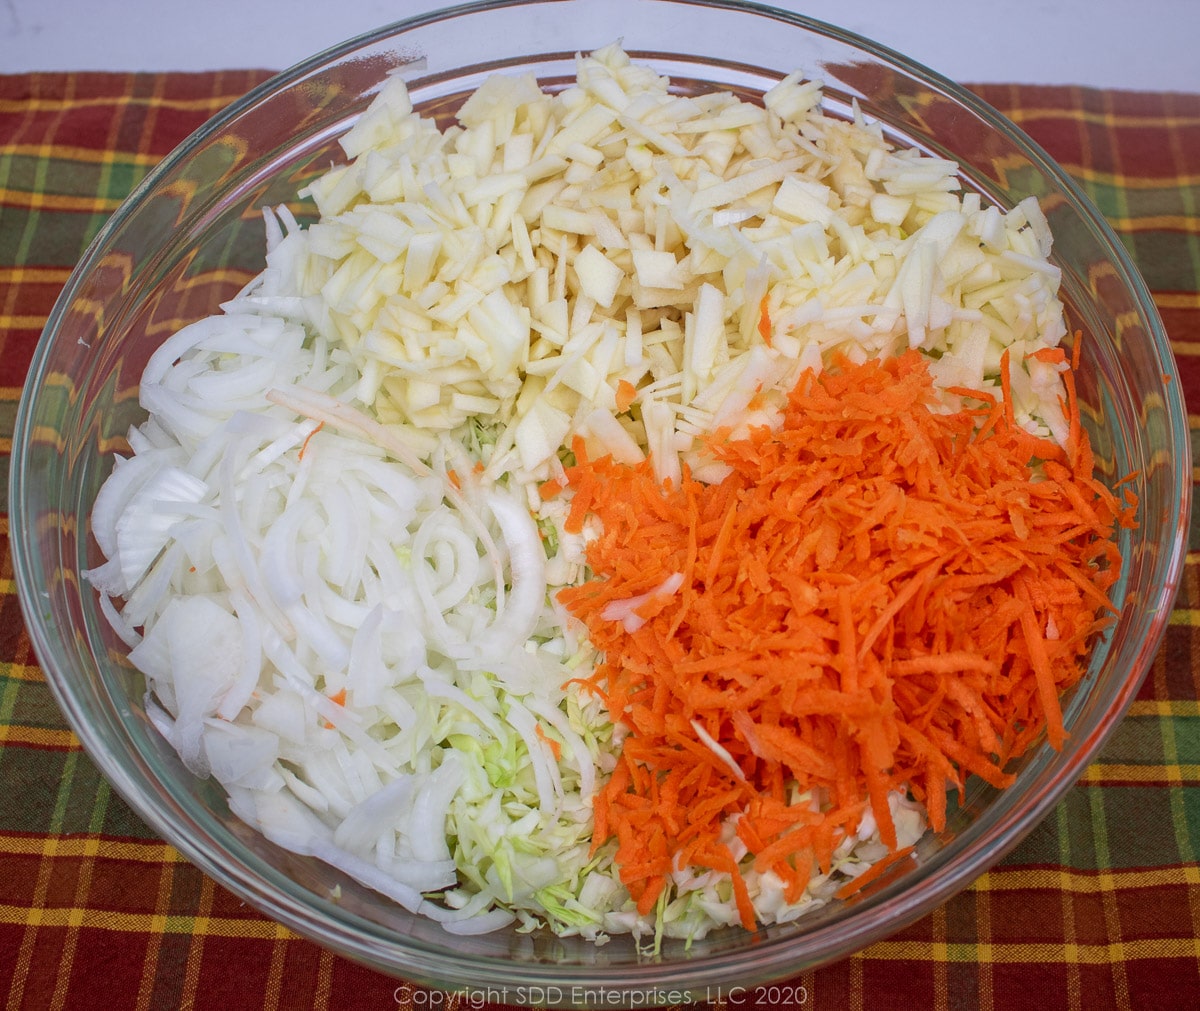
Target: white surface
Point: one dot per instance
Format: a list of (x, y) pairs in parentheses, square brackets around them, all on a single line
[(1140, 44)]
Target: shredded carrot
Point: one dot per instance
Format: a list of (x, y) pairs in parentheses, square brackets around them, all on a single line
[(453, 478), (764, 319), (551, 489), (338, 698), (626, 394), (554, 745), (872, 873), (308, 438), (879, 596), (1051, 356)]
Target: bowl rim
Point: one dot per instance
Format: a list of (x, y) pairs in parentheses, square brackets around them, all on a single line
[(437, 969)]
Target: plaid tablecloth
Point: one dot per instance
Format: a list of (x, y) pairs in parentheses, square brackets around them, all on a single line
[(1098, 908)]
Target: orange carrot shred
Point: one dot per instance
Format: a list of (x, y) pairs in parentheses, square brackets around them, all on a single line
[(1051, 356), (308, 438), (338, 698), (1006, 387), (879, 596), (554, 745), (764, 319), (626, 394), (872, 873)]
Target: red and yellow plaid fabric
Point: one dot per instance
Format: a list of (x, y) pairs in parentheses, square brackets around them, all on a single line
[(1098, 908)]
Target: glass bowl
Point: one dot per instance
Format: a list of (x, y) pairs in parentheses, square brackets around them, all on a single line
[(191, 236)]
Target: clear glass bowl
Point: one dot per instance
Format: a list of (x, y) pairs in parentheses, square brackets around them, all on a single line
[(191, 235)]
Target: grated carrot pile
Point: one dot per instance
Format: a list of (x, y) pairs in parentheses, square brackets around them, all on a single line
[(878, 597)]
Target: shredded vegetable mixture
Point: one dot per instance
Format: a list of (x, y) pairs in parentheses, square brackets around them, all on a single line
[(878, 597), (357, 548)]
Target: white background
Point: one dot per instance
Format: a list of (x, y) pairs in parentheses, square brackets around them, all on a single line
[(1139, 44)]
